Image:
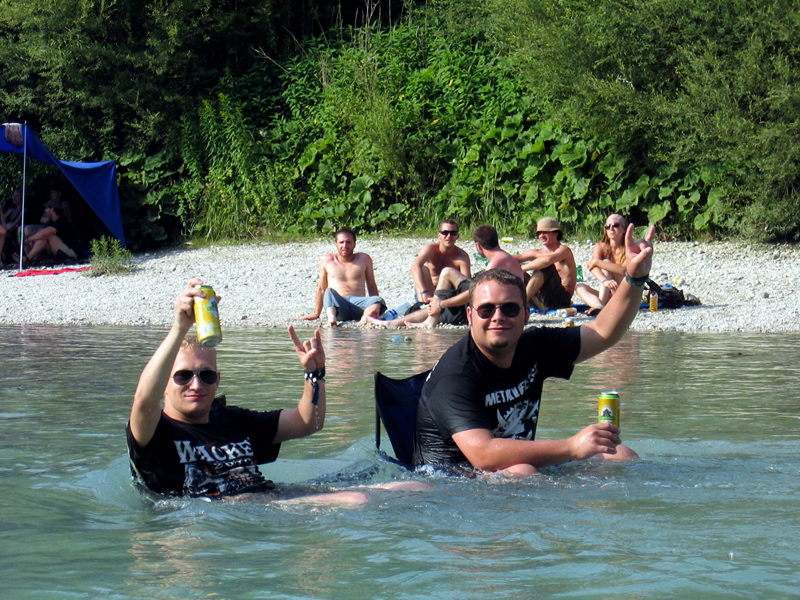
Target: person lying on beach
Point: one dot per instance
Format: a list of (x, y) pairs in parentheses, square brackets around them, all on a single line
[(452, 291), (434, 258), (196, 445), (607, 265), (479, 407), (346, 289), (552, 269)]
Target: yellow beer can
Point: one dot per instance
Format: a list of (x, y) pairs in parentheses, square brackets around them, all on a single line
[(206, 318), (608, 408)]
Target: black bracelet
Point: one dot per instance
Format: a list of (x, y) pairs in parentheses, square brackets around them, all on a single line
[(315, 376), (636, 281)]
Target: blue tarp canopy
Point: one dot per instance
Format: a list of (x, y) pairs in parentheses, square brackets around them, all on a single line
[(96, 182)]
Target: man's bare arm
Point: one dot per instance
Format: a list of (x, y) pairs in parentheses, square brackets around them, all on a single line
[(484, 451), (613, 321), (309, 415), (322, 285), (146, 409), (420, 285), (369, 273), (545, 259)]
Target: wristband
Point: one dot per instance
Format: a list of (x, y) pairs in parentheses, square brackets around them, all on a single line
[(636, 281), (315, 377)]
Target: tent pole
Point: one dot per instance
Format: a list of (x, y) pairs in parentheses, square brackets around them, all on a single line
[(24, 191)]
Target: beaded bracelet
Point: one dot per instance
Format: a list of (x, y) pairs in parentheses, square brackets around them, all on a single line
[(637, 281)]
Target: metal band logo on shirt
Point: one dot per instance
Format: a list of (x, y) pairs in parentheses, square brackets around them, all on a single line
[(518, 420), (512, 393)]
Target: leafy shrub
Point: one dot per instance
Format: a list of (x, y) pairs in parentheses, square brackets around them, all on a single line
[(110, 257)]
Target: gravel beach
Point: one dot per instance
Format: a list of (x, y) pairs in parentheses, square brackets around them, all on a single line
[(742, 287)]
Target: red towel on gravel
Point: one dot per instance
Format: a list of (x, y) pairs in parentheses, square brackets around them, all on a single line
[(30, 272)]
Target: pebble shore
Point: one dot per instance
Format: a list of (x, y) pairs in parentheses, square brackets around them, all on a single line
[(742, 287)]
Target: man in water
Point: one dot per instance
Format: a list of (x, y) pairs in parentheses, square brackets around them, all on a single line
[(480, 404), (434, 258), (452, 291), (346, 290), (197, 445), (553, 274)]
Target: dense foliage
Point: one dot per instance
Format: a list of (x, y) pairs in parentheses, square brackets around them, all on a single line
[(681, 114)]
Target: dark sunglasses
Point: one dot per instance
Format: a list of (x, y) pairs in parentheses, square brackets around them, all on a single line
[(509, 309), (614, 225), (447, 232), (185, 376)]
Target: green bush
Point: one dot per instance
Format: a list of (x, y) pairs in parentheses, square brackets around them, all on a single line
[(110, 257)]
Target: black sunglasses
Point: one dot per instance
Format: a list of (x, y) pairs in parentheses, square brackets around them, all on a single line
[(614, 225), (509, 309), (185, 376), (448, 232)]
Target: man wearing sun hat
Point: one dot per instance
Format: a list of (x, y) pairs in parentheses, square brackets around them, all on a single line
[(552, 270)]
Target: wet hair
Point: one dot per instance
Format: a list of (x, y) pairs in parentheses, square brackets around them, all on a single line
[(605, 243), (486, 236), (501, 276), (346, 230), (191, 344)]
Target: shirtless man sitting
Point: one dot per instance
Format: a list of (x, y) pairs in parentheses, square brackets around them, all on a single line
[(553, 274), (346, 290), (434, 258), (452, 290)]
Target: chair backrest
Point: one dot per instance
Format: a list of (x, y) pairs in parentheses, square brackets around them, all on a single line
[(396, 403)]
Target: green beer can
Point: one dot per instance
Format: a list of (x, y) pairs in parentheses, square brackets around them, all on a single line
[(608, 408)]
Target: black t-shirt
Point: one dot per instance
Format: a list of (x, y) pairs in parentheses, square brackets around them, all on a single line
[(67, 232), (467, 391), (214, 459)]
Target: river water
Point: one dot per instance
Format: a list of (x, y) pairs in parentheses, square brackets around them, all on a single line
[(710, 512)]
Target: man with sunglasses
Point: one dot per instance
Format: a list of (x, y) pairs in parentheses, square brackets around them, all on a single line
[(434, 258), (553, 274), (452, 292), (480, 405), (199, 446)]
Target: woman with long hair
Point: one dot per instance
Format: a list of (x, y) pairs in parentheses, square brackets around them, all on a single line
[(607, 265)]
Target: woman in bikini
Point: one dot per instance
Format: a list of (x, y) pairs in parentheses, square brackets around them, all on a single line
[(607, 265)]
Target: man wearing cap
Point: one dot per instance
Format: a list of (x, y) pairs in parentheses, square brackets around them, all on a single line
[(59, 237), (552, 270)]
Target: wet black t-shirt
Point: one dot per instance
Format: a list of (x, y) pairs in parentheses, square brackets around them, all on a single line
[(467, 391), (214, 459)]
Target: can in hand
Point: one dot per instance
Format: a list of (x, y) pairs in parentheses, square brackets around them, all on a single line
[(206, 318), (608, 408)]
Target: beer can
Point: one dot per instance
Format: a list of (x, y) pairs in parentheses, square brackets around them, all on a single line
[(653, 301), (206, 318), (567, 312), (569, 322), (608, 408), (579, 272)]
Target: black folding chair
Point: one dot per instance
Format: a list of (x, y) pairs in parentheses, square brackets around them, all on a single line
[(396, 403)]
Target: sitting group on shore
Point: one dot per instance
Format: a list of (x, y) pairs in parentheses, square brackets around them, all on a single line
[(441, 272)]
